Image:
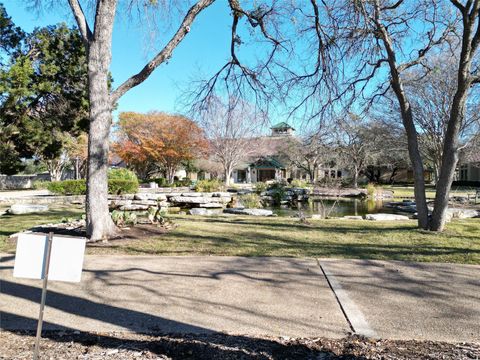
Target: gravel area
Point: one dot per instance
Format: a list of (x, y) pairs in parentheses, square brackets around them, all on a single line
[(93, 346)]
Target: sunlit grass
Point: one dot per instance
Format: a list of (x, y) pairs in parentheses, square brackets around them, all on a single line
[(403, 192), (250, 236), (10, 224)]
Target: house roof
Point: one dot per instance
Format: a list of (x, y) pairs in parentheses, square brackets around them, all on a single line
[(268, 162), (281, 125)]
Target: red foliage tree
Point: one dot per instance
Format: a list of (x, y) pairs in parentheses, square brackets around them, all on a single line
[(158, 141)]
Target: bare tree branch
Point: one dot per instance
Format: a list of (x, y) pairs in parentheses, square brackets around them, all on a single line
[(165, 53), (82, 23)]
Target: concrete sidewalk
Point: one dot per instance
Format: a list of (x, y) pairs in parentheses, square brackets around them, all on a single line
[(254, 296), (400, 300)]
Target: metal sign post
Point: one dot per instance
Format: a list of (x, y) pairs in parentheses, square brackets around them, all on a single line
[(44, 295), (48, 257)]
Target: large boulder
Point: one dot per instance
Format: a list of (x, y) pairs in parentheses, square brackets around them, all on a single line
[(134, 207), (190, 200), (145, 202), (195, 194), (150, 196), (212, 205), (221, 194), (19, 209), (462, 213), (201, 212), (253, 212), (386, 217)]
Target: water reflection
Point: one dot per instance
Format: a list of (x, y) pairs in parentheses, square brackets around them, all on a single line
[(335, 208)]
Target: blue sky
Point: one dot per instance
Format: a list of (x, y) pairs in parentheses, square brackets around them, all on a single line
[(205, 49)]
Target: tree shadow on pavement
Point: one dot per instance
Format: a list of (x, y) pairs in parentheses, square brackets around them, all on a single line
[(177, 346)]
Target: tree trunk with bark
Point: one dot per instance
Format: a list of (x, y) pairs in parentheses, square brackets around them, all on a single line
[(449, 160), (55, 168), (98, 44), (355, 177), (99, 223), (228, 175), (408, 123)]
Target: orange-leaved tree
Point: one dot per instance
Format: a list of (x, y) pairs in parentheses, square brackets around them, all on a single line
[(158, 141)]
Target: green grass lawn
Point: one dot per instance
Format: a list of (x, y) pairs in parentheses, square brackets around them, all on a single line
[(249, 236), (10, 224), (403, 192)]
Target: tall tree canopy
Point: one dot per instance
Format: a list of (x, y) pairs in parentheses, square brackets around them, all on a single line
[(43, 96)]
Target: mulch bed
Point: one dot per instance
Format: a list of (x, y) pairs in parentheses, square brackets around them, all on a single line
[(93, 346), (137, 232)]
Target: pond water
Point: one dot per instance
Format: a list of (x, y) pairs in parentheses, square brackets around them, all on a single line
[(335, 208)]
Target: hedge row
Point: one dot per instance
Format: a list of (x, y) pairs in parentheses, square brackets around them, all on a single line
[(466, 183), (79, 187)]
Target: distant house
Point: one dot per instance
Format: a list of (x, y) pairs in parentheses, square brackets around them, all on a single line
[(469, 172), (282, 129)]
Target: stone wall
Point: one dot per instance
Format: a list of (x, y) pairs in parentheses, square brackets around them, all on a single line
[(13, 182)]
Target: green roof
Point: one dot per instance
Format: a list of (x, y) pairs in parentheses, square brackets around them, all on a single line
[(267, 163), (282, 125)]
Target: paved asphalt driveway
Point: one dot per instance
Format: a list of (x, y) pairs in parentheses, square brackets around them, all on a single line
[(254, 296)]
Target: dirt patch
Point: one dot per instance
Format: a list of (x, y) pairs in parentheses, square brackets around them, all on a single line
[(93, 346)]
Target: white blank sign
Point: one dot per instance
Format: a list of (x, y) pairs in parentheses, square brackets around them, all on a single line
[(66, 258)]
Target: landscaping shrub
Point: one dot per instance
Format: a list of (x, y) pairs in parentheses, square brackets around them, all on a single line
[(185, 182), (277, 191), (122, 174), (118, 187), (260, 187), (162, 182), (370, 189), (123, 182), (68, 187), (208, 185), (40, 185), (123, 218), (297, 183), (466, 183), (251, 201)]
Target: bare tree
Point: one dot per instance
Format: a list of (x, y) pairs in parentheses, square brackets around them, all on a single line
[(231, 129), (389, 27), (431, 102), (97, 38), (386, 39), (354, 145), (310, 151)]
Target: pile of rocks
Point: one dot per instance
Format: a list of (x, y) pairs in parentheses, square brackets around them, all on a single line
[(340, 192), (289, 196), (164, 201)]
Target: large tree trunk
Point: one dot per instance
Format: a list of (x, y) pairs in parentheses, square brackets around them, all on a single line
[(449, 160), (99, 223), (417, 165), (407, 119)]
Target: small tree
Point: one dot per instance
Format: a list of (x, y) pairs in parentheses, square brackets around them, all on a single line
[(160, 139)]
